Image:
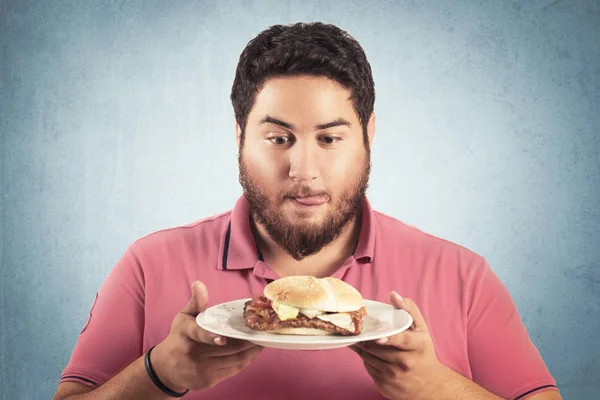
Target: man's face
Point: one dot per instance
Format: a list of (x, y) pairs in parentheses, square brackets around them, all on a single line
[(304, 165)]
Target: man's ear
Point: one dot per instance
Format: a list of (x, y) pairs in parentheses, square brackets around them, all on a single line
[(238, 135), (371, 129)]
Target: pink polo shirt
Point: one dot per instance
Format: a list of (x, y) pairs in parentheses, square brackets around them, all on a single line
[(475, 327)]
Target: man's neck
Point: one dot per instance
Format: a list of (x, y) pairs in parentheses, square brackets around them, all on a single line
[(322, 264)]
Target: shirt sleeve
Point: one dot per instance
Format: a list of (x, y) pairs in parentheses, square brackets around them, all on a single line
[(112, 336), (502, 357)]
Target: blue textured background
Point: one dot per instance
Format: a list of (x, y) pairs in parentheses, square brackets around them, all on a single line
[(115, 122)]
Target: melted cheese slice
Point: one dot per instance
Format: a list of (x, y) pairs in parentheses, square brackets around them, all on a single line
[(342, 320), (285, 312), (310, 313)]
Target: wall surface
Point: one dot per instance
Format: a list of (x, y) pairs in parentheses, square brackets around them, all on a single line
[(115, 122)]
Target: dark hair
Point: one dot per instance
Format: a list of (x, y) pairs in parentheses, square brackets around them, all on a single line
[(303, 49)]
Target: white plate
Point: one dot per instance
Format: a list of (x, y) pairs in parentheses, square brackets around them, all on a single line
[(227, 319)]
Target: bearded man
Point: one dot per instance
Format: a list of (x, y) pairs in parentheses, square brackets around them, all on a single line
[(303, 97)]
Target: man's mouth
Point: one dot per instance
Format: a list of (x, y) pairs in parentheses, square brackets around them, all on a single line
[(312, 201)]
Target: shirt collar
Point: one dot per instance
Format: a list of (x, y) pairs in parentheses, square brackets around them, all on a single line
[(240, 251)]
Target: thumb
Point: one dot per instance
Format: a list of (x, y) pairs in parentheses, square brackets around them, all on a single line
[(198, 301), (410, 307)]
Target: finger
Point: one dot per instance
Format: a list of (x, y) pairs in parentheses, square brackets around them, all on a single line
[(373, 372), (368, 359), (374, 365), (233, 360), (198, 300), (390, 354), (407, 341), (232, 347), (410, 307), (221, 374), (192, 331)]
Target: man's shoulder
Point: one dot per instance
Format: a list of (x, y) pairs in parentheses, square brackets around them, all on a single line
[(405, 235), (204, 229)]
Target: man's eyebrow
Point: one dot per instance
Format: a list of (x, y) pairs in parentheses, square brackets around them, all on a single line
[(332, 124), (338, 122), (270, 120)]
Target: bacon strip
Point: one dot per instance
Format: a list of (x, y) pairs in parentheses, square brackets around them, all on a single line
[(261, 301)]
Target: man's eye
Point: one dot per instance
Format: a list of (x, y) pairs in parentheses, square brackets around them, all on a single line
[(330, 139), (279, 140)]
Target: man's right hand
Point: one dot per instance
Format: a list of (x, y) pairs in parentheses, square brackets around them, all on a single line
[(195, 359)]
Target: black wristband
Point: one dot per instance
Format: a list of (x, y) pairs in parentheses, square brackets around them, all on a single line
[(157, 381)]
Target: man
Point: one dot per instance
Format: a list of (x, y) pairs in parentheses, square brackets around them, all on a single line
[(303, 97)]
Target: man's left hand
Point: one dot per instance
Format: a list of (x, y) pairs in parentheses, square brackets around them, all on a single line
[(404, 366)]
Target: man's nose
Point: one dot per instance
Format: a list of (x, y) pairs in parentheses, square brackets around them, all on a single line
[(304, 164)]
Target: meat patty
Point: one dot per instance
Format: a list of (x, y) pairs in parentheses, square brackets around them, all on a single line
[(266, 319)]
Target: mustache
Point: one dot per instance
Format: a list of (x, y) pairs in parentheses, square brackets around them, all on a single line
[(304, 191)]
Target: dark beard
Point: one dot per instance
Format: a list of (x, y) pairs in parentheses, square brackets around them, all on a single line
[(303, 241)]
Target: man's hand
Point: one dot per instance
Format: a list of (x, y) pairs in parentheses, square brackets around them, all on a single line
[(405, 366), (192, 358)]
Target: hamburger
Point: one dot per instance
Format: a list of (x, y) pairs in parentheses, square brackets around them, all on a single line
[(305, 305)]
